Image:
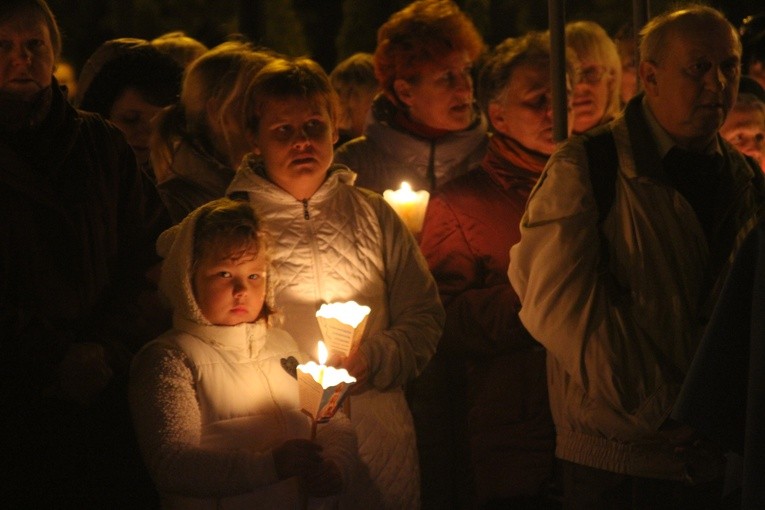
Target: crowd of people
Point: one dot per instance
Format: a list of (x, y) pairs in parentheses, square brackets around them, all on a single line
[(577, 324)]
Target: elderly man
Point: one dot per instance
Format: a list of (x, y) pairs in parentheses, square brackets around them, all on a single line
[(623, 243)]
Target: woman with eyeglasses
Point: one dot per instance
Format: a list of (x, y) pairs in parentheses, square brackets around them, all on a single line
[(597, 87)]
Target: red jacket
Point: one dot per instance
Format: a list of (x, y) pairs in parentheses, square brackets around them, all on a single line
[(470, 225)]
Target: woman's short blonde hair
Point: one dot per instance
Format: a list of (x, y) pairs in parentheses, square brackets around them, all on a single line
[(590, 41)]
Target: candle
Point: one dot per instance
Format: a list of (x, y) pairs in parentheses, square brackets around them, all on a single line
[(342, 325), (322, 361), (409, 205), (321, 388)]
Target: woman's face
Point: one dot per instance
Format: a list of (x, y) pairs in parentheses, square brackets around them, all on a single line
[(592, 90), (442, 97), (133, 114), (525, 112), (295, 137), (26, 56)]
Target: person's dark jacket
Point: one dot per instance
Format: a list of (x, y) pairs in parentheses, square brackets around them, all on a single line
[(79, 222), (723, 396)]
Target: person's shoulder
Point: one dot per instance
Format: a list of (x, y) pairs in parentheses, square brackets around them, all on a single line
[(104, 133), (93, 120), (353, 148), (166, 348)]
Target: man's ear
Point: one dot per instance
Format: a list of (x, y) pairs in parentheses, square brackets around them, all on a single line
[(497, 117), (403, 90), (647, 71)]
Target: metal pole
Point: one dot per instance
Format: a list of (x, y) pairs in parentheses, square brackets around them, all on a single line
[(641, 13), (557, 21)]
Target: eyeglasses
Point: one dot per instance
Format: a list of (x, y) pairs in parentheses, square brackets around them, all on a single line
[(591, 74)]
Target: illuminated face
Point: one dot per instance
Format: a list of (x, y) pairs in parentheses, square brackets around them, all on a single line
[(442, 97), (26, 56), (525, 113), (693, 87), (744, 128), (230, 291), (133, 115), (295, 137), (592, 91)]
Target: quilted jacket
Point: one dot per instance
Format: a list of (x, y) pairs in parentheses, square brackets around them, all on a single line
[(211, 402), (346, 243)]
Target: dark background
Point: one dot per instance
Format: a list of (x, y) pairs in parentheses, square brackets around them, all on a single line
[(326, 30)]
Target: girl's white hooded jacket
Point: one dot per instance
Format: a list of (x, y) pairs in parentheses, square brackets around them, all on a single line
[(210, 403)]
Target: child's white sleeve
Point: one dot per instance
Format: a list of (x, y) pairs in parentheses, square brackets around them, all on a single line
[(167, 420)]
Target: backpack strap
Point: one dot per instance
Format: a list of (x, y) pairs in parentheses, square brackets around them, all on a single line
[(603, 163)]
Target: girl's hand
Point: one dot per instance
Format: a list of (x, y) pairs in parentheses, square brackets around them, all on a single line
[(326, 481), (297, 457)]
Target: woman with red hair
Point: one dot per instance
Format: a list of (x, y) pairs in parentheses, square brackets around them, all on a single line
[(424, 128)]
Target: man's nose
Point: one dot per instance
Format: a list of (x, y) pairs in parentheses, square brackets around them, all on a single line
[(716, 79)]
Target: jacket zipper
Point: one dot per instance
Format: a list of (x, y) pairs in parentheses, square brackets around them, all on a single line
[(314, 250), (432, 166)]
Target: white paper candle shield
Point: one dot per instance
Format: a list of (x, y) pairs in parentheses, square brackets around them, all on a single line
[(410, 205), (322, 401), (342, 325)]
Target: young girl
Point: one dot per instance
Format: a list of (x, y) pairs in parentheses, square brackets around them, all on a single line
[(217, 417), (336, 243)]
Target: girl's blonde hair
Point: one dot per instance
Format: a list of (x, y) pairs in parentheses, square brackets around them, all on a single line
[(231, 229)]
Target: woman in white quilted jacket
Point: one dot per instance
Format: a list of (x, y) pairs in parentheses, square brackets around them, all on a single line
[(337, 243)]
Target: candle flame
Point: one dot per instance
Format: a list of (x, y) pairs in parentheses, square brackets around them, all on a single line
[(405, 186), (322, 353)]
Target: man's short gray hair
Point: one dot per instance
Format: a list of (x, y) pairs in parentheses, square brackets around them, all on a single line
[(654, 35)]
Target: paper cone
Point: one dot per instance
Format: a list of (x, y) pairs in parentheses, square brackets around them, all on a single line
[(341, 326), (319, 402)]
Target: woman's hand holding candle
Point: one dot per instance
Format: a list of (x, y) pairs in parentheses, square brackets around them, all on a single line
[(357, 365)]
